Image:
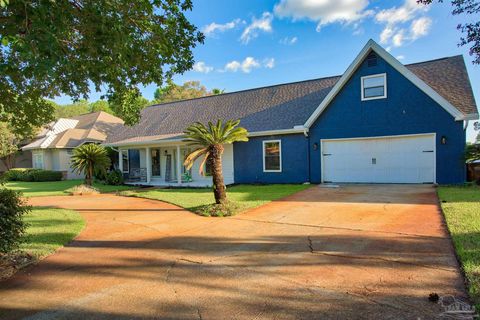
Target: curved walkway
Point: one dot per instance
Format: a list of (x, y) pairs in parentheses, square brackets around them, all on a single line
[(358, 252)]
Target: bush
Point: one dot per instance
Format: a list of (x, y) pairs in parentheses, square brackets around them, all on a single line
[(32, 175), (12, 226), (114, 178), (46, 175)]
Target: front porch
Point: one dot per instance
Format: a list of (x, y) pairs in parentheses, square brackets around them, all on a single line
[(162, 165)]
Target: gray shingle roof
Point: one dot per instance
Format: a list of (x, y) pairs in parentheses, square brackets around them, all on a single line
[(282, 106)]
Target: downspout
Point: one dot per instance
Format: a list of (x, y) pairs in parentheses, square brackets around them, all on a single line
[(305, 132)]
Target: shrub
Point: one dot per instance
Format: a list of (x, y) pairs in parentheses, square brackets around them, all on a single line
[(82, 189), (32, 175), (12, 226), (114, 178), (46, 175), (14, 174)]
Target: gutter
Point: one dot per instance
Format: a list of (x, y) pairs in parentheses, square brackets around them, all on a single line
[(294, 130)]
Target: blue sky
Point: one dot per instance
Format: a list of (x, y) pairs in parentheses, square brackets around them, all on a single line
[(253, 43)]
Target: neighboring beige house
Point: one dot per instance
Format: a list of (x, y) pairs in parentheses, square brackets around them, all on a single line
[(53, 146)]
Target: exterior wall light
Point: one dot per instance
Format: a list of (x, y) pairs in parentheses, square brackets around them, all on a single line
[(315, 146), (443, 140)]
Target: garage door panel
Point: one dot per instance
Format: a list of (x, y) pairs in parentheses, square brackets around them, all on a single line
[(380, 160)]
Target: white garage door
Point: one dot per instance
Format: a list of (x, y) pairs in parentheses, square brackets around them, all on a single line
[(395, 159)]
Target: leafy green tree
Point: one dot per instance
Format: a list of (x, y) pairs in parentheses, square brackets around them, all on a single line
[(210, 141), (90, 159), (100, 105), (174, 92), (52, 48), (216, 91), (471, 29), (72, 110), (131, 102), (8, 146)]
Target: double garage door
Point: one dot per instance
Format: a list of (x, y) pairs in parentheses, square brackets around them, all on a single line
[(394, 159)]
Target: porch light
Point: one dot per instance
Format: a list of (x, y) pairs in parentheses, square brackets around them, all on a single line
[(443, 140), (315, 146)]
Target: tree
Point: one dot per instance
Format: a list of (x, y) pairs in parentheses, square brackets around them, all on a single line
[(210, 140), (71, 110), (470, 29), (100, 105), (8, 146), (52, 48), (90, 159), (174, 92), (216, 91)]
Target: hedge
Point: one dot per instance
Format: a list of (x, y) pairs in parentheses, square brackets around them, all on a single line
[(32, 175)]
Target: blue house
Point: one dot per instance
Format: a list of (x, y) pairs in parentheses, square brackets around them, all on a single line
[(379, 122)]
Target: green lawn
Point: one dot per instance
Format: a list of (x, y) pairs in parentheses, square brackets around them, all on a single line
[(55, 188), (244, 196), (48, 229), (461, 206)]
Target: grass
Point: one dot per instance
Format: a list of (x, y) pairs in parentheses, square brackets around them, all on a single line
[(461, 206), (242, 197), (56, 188), (48, 229)]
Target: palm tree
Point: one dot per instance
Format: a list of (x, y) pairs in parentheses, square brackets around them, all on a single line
[(210, 140), (89, 159)]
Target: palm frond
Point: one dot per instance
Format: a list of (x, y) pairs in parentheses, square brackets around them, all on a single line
[(194, 155)]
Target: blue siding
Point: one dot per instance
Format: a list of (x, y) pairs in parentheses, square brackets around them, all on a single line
[(406, 110), (249, 163)]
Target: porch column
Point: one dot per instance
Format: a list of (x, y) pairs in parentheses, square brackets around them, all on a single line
[(148, 162), (179, 166), (120, 160)]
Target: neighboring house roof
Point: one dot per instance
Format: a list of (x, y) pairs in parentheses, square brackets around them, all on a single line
[(290, 107), (73, 132)]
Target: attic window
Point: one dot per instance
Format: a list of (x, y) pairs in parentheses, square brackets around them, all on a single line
[(372, 59), (374, 87)]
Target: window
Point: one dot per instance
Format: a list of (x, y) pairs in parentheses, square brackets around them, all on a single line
[(374, 87), (125, 162), (38, 161), (272, 156)]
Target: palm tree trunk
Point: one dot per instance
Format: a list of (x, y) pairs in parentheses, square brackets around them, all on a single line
[(217, 174), (89, 176)]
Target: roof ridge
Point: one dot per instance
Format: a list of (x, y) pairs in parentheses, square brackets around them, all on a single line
[(244, 90), (287, 83)]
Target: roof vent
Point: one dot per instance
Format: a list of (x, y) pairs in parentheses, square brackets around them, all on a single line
[(372, 59)]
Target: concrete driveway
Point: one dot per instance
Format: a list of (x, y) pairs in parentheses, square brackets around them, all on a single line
[(355, 252)]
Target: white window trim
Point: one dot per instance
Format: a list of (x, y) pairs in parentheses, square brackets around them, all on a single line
[(374, 76), (42, 162), (125, 170), (280, 154)]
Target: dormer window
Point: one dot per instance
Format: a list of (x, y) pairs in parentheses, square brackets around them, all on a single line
[(374, 87)]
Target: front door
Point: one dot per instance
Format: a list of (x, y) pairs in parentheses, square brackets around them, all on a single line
[(156, 170)]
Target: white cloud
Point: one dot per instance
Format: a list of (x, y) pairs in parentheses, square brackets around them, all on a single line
[(261, 24), (288, 41), (400, 57), (324, 11), (248, 64), (420, 27), (395, 18), (269, 63), (398, 38), (202, 67), (245, 66), (210, 29)]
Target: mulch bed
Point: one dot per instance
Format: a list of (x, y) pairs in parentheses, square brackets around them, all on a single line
[(12, 262)]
